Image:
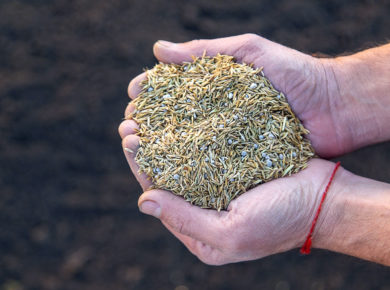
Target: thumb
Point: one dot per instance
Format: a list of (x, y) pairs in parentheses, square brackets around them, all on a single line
[(204, 225), (245, 48)]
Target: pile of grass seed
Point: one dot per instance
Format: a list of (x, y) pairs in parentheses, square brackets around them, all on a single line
[(211, 129)]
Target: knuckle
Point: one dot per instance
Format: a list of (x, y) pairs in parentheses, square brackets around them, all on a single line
[(194, 42), (210, 256), (233, 240), (177, 224), (251, 38), (129, 88)]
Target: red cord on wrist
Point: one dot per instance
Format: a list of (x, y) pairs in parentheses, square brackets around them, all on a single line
[(307, 245)]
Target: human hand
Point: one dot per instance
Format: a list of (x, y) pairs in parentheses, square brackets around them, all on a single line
[(307, 82), (276, 216), (271, 218)]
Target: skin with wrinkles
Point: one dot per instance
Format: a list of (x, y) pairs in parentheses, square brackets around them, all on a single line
[(187, 115), (277, 216)]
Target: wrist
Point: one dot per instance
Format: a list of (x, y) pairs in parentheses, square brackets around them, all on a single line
[(355, 220), (314, 188), (360, 101), (332, 211)]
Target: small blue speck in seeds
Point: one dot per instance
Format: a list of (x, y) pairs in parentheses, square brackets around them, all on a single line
[(264, 154), (253, 86), (271, 136), (230, 141), (269, 163), (235, 117), (230, 95), (214, 138), (150, 89), (176, 106), (245, 118), (246, 96), (294, 154), (281, 156), (167, 96), (278, 96), (231, 179), (188, 101), (221, 126), (176, 176), (243, 153), (255, 146), (261, 137)]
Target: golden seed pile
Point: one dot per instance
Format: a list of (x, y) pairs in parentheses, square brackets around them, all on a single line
[(211, 129)]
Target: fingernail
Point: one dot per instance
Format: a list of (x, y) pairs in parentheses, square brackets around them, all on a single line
[(151, 208), (165, 43)]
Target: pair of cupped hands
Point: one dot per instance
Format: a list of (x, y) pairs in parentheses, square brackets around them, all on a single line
[(276, 216)]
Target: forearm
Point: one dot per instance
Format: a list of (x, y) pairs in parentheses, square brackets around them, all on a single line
[(356, 220), (362, 102)]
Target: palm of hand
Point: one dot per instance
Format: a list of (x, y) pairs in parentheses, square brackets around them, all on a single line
[(270, 218)]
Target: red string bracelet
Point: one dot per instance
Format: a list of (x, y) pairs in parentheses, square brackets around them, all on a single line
[(307, 245)]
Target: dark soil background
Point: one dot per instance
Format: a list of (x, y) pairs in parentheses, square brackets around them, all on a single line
[(68, 202)]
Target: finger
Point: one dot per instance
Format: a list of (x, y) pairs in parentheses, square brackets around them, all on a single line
[(134, 87), (242, 47), (129, 109), (130, 146), (204, 252), (201, 224), (127, 127), (186, 240)]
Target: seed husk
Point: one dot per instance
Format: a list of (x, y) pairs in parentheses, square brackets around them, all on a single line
[(215, 128)]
